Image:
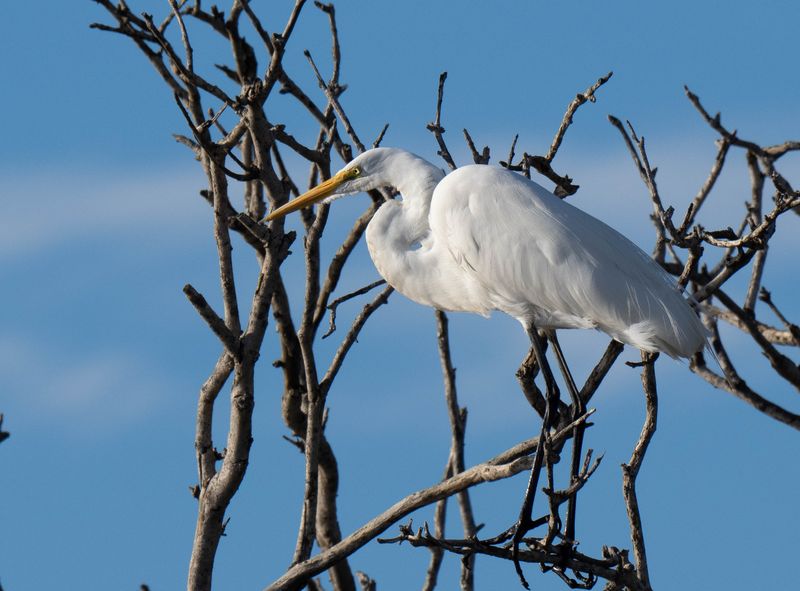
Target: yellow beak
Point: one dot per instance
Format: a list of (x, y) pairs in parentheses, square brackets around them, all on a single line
[(318, 193)]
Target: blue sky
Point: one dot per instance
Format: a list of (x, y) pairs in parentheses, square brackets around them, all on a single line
[(101, 356)]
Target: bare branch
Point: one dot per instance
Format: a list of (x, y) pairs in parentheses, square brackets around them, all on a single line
[(256, 22), (184, 35), (333, 99), (566, 121), (458, 425), (767, 156), (690, 267), (481, 157), (3, 434), (486, 472), (339, 259), (335, 303), (631, 469), (793, 330), (188, 76), (131, 26), (352, 336), (275, 68), (639, 154), (735, 385), (702, 194), (439, 519), (757, 237), (367, 584), (614, 566), (214, 322), (600, 370), (204, 446), (507, 163), (512, 461), (772, 334), (379, 139), (436, 126), (784, 366)]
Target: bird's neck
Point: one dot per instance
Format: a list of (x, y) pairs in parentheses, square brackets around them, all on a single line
[(415, 179), (400, 226), (405, 223), (395, 239), (404, 250)]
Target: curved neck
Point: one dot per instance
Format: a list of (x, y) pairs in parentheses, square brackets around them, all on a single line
[(400, 225), (415, 179), (401, 245)]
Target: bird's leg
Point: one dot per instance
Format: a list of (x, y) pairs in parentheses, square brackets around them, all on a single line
[(578, 409), (525, 521)]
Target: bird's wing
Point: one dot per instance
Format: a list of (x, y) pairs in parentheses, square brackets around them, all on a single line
[(547, 262)]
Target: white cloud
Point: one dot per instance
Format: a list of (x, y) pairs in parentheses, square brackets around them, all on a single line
[(45, 211), (102, 390)]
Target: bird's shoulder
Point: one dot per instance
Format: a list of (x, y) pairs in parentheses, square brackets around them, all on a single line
[(481, 180), (478, 206), (487, 215)]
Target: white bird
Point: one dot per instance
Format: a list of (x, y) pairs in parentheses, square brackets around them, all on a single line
[(483, 238)]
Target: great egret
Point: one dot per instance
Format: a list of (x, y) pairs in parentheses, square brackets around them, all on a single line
[(483, 238)]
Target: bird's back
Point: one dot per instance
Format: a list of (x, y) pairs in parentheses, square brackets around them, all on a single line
[(545, 262)]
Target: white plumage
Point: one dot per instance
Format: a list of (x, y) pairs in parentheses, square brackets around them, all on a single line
[(483, 238)]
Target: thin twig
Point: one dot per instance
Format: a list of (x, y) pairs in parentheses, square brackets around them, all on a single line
[(352, 336), (782, 364), (439, 519), (766, 297), (184, 35), (335, 303), (189, 78), (566, 121), (638, 151), (481, 157), (339, 259), (702, 194), (631, 469), (772, 334), (458, 425), (436, 127), (333, 98), (734, 384), (767, 156), (379, 139), (215, 323)]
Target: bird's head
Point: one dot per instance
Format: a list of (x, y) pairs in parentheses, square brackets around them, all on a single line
[(359, 175)]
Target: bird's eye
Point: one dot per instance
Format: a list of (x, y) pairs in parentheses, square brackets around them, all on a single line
[(355, 173)]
